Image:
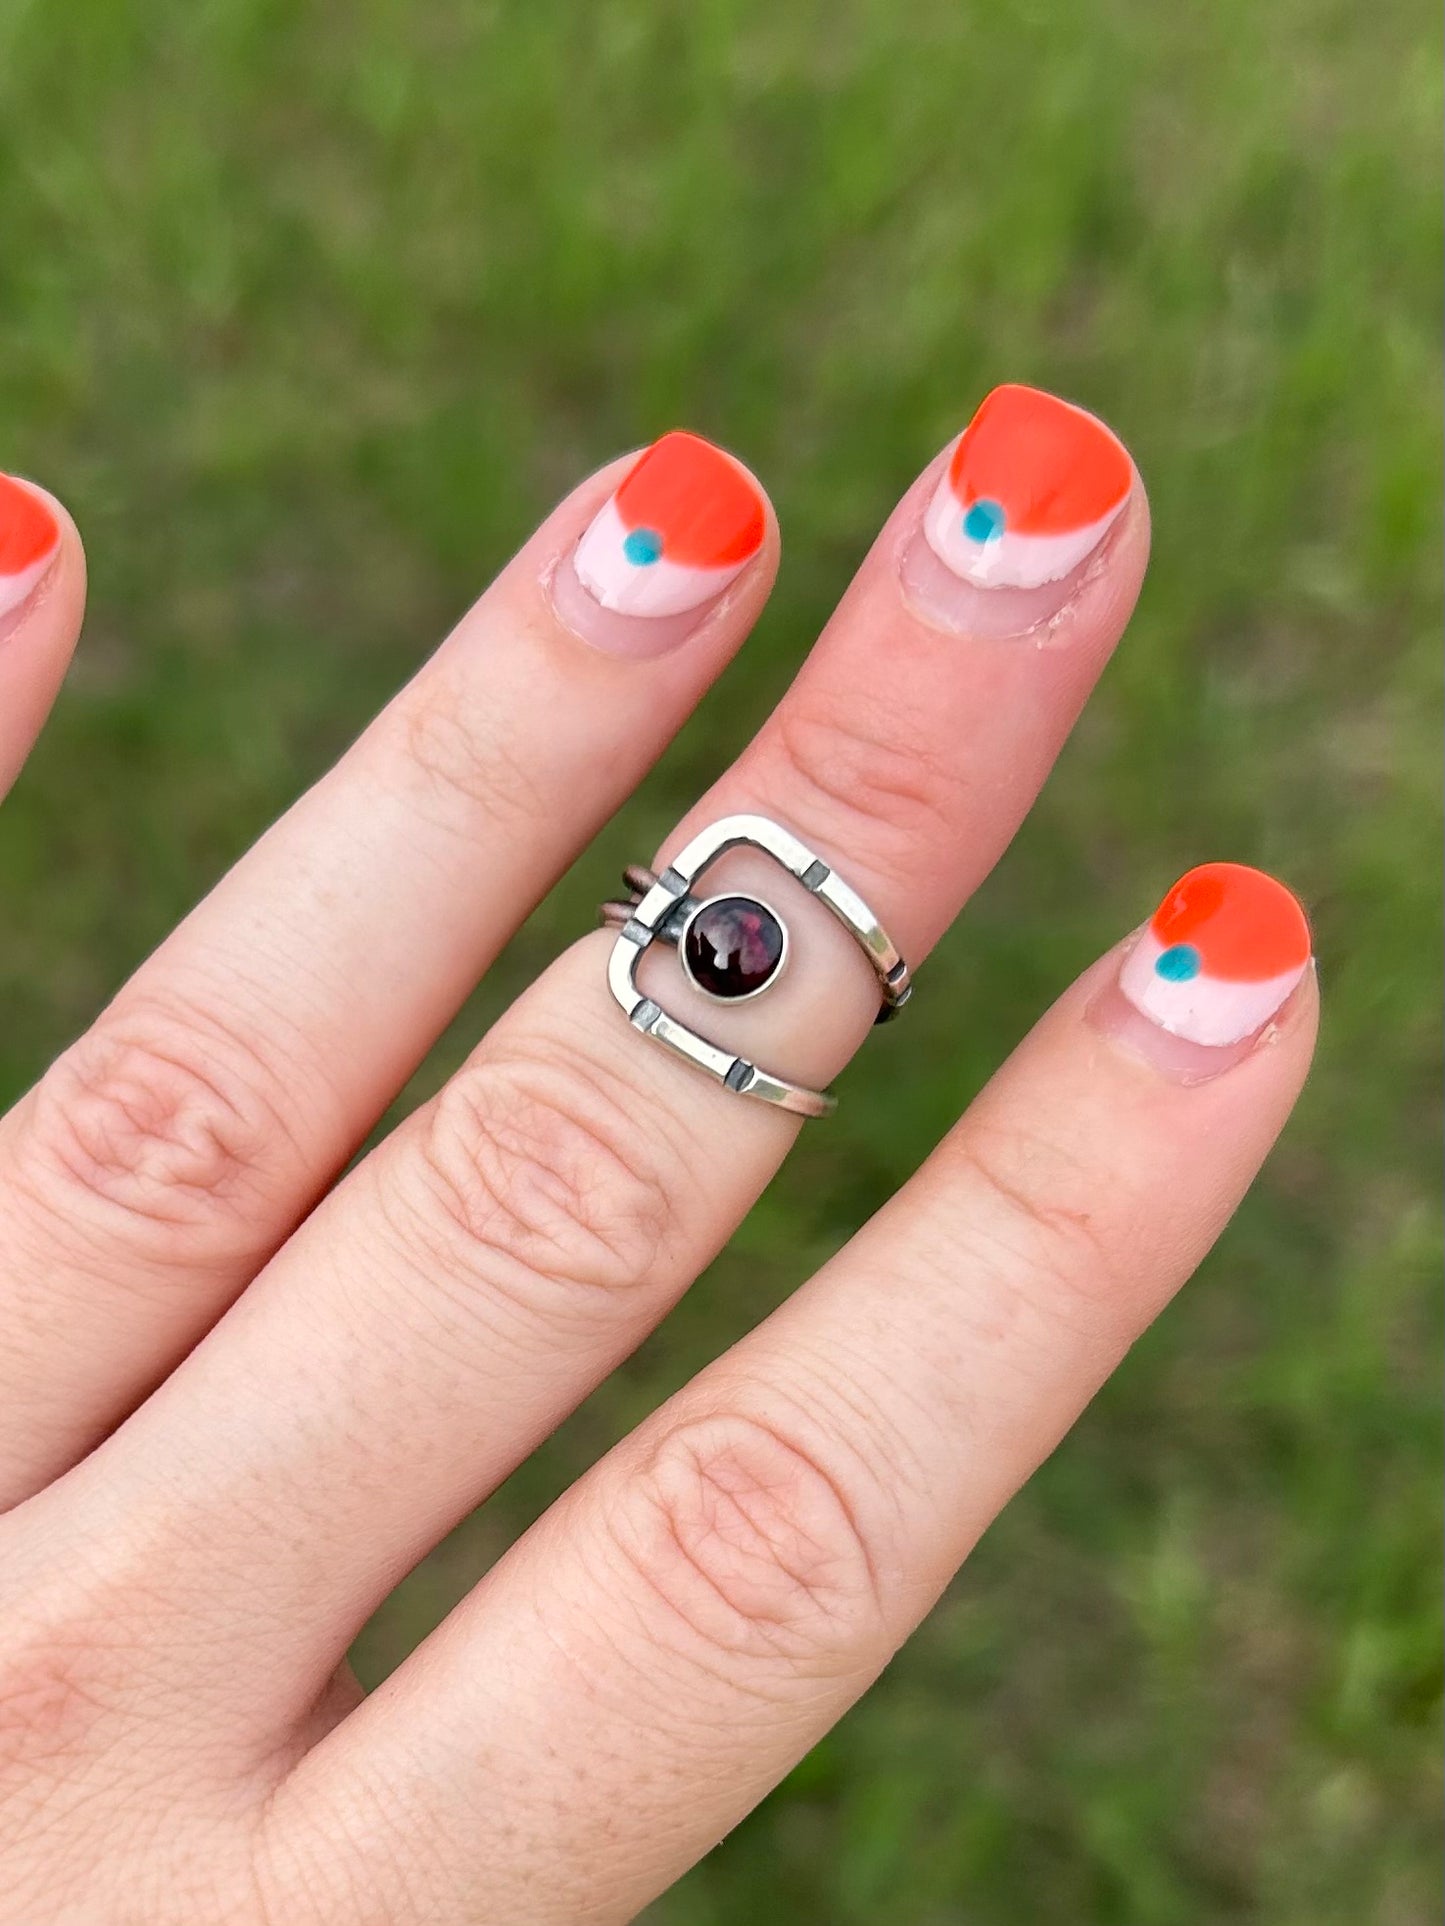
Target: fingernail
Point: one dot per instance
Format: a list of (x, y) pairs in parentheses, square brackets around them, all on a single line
[(29, 542), (1218, 959), (682, 525), (1030, 490)]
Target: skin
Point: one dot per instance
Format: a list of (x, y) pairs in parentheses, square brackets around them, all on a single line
[(239, 1399)]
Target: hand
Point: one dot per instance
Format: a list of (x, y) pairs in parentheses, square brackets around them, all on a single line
[(239, 1398)]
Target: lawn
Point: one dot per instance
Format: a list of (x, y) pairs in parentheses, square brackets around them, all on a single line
[(310, 311)]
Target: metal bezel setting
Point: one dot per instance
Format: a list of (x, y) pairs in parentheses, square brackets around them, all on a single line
[(732, 896), (655, 913)]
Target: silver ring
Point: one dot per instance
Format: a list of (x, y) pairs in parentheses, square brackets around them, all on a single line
[(665, 908)]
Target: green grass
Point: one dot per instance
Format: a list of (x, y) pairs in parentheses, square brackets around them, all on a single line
[(310, 311)]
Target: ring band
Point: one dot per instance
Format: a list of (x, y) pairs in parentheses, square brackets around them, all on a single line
[(665, 908)]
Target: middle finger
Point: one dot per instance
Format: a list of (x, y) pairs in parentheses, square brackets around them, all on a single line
[(482, 1270)]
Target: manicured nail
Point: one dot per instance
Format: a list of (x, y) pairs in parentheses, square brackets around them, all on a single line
[(29, 541), (1219, 957), (684, 522), (1031, 488), (1029, 492)]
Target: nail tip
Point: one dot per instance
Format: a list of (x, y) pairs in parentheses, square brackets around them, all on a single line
[(682, 524), (1030, 490), (1220, 957), (29, 542)]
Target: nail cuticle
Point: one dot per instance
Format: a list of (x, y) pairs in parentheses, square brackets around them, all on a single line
[(1111, 1016), (940, 601), (16, 617), (607, 632)]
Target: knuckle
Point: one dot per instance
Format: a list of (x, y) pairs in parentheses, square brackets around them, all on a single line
[(465, 769), (318, 1850), (154, 1116), (747, 1539), (540, 1184), (57, 1688), (46, 1707), (878, 775), (101, 1793), (1039, 1223)]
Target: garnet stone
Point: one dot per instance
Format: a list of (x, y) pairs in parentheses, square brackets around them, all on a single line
[(733, 947)]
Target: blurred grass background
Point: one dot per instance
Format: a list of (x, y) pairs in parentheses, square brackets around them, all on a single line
[(310, 312)]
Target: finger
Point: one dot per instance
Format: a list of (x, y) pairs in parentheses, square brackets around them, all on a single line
[(165, 1156), (42, 600), (469, 1283), (695, 1614)]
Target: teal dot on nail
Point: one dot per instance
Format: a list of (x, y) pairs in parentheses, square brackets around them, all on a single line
[(984, 521), (1178, 963), (642, 545)]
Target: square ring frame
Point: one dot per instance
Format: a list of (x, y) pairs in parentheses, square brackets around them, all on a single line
[(674, 886)]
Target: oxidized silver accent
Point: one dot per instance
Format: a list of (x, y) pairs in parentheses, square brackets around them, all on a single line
[(659, 908)]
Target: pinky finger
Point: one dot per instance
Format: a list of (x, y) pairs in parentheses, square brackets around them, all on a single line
[(42, 599)]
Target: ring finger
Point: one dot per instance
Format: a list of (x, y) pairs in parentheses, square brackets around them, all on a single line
[(468, 1284)]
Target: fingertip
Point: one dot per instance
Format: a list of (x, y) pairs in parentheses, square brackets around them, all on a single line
[(39, 543), (42, 603)]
